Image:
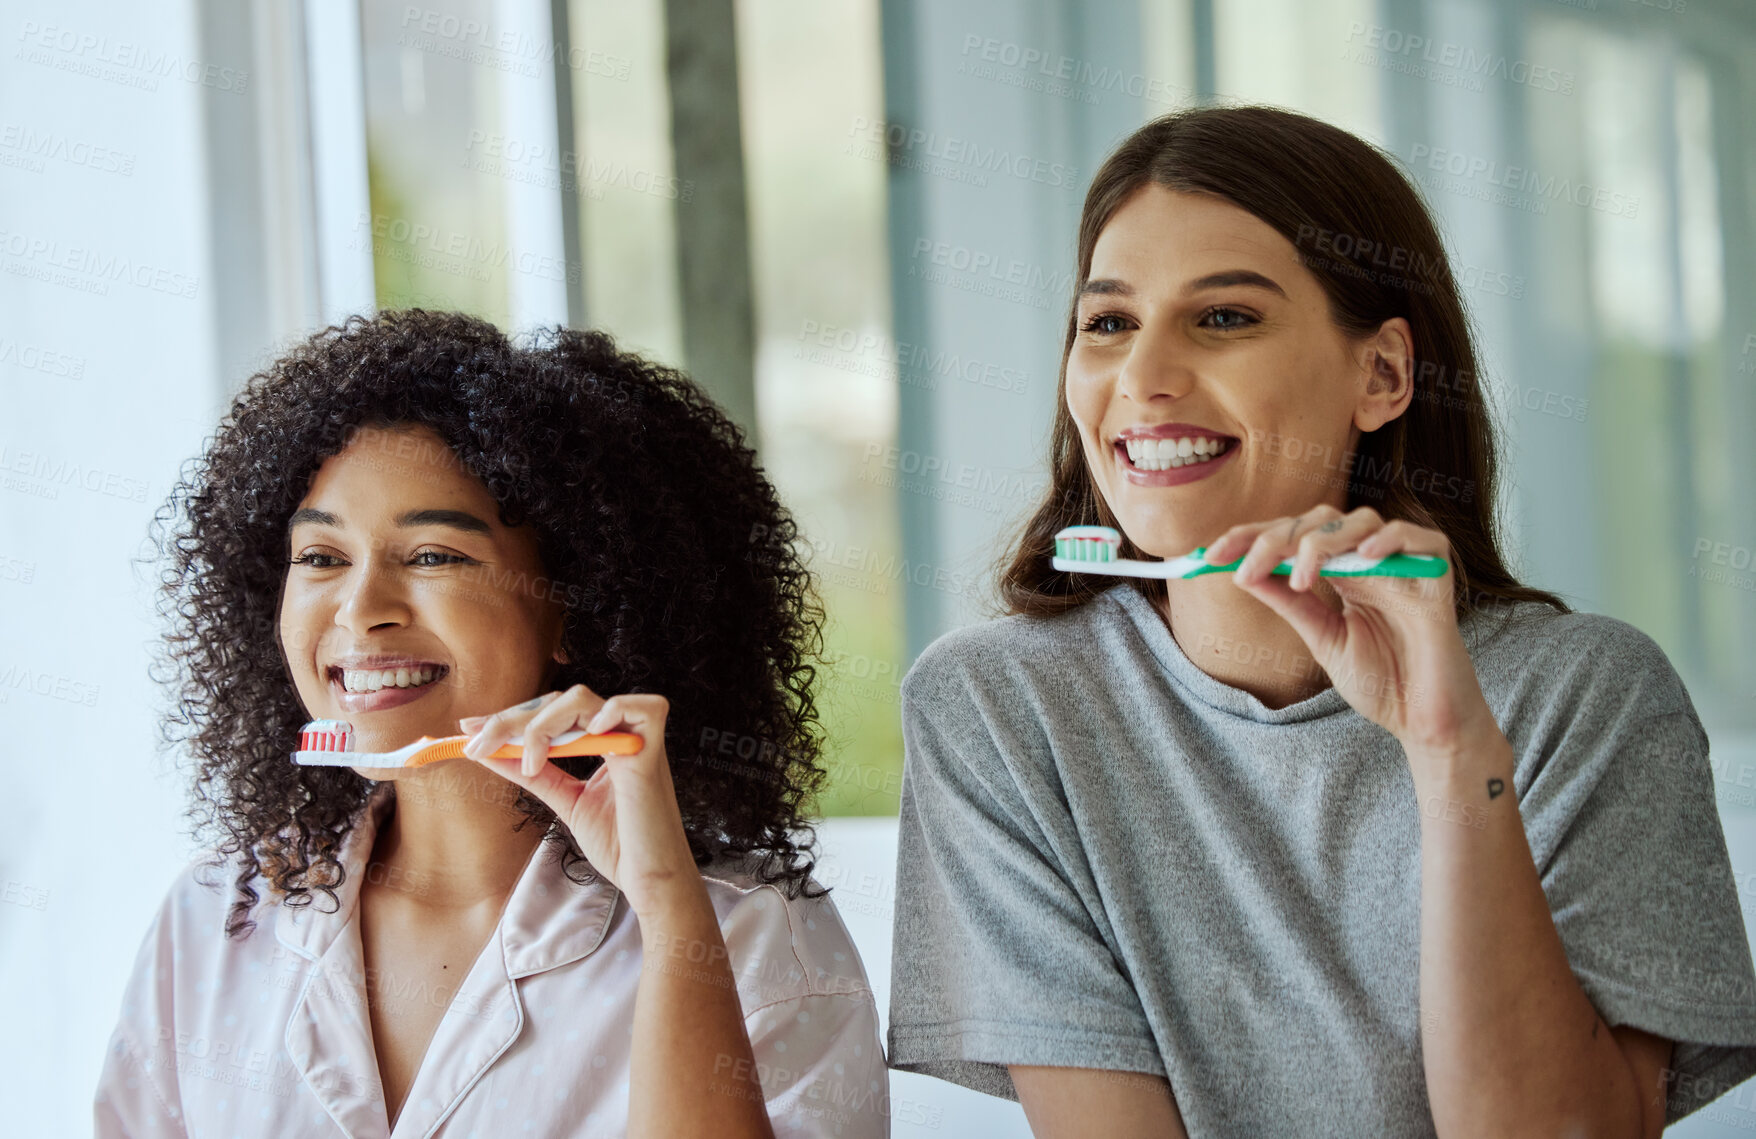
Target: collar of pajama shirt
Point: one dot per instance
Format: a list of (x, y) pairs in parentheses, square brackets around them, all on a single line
[(271, 1034)]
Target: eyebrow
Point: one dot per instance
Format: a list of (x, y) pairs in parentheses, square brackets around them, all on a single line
[(456, 519), (1109, 287)]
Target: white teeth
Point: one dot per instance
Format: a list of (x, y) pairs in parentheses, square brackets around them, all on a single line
[(1166, 454), (373, 679)]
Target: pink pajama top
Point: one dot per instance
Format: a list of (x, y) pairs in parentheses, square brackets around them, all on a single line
[(269, 1034)]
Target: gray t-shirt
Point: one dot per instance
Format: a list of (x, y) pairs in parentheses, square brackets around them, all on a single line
[(1109, 859)]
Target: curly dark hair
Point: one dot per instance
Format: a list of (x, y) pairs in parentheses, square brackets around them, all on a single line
[(676, 559)]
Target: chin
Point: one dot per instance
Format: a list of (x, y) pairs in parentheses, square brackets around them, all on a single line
[(1157, 539)]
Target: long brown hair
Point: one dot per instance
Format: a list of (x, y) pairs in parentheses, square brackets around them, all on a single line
[(1363, 232)]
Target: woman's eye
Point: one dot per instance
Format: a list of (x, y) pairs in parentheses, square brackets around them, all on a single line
[(436, 558), (1226, 319), (316, 561), (1104, 324)]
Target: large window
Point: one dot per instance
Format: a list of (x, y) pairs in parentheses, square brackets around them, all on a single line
[(457, 173), (1578, 156)]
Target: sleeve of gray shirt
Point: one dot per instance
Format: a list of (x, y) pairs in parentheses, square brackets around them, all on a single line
[(1617, 796), (1002, 961)]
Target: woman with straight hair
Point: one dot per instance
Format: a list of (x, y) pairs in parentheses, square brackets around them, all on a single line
[(1259, 854)]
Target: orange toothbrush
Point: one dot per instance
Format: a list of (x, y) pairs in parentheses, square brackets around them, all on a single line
[(329, 743)]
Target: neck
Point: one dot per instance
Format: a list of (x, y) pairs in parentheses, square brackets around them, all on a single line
[(450, 841), (1241, 642)]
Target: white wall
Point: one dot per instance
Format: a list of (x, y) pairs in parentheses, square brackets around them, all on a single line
[(107, 382)]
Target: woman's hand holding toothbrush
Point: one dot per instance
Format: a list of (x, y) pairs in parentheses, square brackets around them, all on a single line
[(688, 1029), (1394, 650), (625, 816)]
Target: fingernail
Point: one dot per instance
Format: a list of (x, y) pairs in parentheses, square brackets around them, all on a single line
[(471, 723)]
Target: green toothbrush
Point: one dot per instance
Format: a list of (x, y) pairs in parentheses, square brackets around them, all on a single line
[(1092, 549)]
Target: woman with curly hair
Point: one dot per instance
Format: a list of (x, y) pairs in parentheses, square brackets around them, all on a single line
[(411, 524), (1263, 853)]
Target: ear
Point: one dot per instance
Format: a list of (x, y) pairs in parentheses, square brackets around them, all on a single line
[(558, 638), (1387, 371), (552, 670)]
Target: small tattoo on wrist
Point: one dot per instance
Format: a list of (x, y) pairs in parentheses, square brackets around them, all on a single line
[(1495, 786)]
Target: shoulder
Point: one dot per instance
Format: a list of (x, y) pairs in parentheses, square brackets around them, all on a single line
[(1575, 659), (199, 899), (1521, 625), (781, 947), (811, 1017), (185, 945), (186, 939), (1590, 703)]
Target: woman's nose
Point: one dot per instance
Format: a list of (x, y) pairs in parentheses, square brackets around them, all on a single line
[(1157, 366), (373, 598)]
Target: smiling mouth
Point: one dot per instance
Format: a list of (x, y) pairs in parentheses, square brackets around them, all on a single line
[(364, 680), (1168, 454)]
